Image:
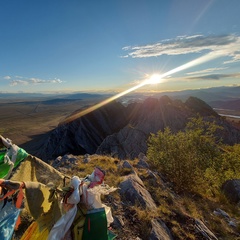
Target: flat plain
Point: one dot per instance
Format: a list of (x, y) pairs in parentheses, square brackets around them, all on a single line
[(25, 121)]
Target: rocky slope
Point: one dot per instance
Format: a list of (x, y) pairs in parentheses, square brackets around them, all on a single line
[(122, 131), (145, 206)]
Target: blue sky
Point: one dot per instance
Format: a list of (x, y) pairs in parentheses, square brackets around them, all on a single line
[(112, 45)]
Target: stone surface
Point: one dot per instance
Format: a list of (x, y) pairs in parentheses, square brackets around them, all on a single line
[(86, 158), (159, 231), (126, 164), (231, 189), (204, 231), (132, 191)]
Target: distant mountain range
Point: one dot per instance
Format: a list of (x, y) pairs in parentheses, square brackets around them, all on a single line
[(48, 99), (216, 97), (208, 94), (34, 96)]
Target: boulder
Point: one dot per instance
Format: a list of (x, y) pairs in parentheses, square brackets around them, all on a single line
[(126, 164), (86, 158), (159, 231), (64, 160), (133, 192), (231, 189), (142, 163)]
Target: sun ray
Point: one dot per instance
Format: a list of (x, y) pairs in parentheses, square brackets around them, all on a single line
[(153, 79)]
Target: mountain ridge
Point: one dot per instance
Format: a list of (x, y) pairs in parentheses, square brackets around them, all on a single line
[(122, 131)]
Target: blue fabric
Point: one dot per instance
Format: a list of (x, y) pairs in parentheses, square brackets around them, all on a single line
[(8, 217)]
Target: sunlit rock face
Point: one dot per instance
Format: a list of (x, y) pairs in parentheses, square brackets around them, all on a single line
[(122, 131)]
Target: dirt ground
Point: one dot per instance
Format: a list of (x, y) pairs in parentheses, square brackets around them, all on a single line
[(24, 121)]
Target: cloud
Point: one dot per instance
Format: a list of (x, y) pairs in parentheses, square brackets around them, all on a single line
[(19, 80), (235, 57), (226, 45), (56, 81), (214, 76), (7, 77), (206, 71)]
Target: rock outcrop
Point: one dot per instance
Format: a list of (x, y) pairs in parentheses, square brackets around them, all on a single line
[(132, 190), (86, 133), (231, 189), (159, 231)]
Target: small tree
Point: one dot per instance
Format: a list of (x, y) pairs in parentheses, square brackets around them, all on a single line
[(184, 157), (230, 163)]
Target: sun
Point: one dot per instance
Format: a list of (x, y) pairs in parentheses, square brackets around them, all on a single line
[(154, 79)]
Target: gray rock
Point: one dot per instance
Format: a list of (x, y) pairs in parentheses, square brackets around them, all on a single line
[(118, 222), (204, 231), (126, 164), (126, 144), (72, 160), (86, 158), (231, 222), (58, 159), (159, 231), (152, 175), (57, 162), (142, 163), (141, 156), (133, 192), (222, 213), (68, 158), (153, 178), (231, 189)]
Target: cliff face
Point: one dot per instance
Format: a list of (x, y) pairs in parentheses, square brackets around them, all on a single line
[(86, 133), (123, 131)]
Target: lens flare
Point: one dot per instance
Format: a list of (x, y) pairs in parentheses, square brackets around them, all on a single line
[(154, 79)]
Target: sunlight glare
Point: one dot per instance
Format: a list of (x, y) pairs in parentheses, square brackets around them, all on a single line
[(154, 79)]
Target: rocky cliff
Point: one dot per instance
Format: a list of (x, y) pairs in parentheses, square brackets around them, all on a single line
[(122, 131)]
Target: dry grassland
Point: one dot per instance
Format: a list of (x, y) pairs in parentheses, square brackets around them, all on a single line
[(24, 121)]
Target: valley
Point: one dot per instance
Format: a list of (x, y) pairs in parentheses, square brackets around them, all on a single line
[(29, 119)]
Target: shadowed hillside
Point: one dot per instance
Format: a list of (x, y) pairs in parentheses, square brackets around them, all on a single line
[(122, 131)]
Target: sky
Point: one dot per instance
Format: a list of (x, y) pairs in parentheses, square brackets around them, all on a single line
[(114, 45)]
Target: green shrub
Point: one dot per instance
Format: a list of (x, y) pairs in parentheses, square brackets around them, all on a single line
[(192, 159)]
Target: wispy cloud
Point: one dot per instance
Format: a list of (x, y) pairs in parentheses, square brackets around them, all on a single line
[(227, 45), (235, 57), (205, 71), (19, 80), (214, 76)]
